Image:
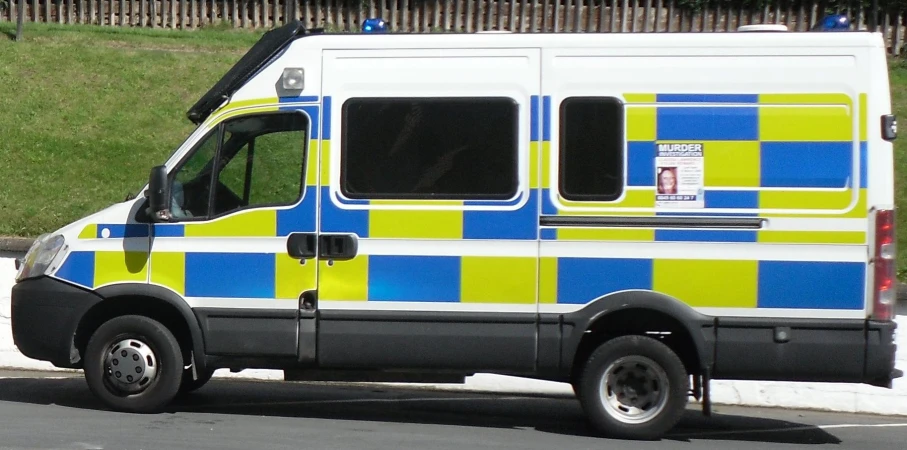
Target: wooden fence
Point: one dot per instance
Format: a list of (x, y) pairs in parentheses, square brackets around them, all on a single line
[(460, 15)]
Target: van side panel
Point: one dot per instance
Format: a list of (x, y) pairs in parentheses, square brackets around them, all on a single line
[(778, 147)]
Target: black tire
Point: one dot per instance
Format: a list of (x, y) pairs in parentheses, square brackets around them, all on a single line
[(166, 364), (664, 367), (188, 384)]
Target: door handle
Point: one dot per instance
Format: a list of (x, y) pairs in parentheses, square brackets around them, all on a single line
[(338, 247), (301, 245)]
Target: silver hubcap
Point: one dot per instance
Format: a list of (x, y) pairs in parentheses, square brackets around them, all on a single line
[(131, 366), (634, 389)]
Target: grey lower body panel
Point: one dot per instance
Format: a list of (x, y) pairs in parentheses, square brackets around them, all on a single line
[(819, 350), (541, 346), (431, 340)]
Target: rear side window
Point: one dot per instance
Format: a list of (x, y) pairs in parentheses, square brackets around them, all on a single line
[(591, 148), (429, 148)]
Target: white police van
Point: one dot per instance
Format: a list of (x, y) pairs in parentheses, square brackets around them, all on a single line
[(634, 214)]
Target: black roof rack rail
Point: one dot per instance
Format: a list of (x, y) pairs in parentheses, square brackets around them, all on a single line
[(269, 45)]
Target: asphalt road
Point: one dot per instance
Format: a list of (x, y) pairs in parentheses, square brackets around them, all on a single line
[(53, 413)]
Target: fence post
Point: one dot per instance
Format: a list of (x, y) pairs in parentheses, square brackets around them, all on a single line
[(19, 19)]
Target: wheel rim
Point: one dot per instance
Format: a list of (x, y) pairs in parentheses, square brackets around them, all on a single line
[(130, 366), (634, 389)]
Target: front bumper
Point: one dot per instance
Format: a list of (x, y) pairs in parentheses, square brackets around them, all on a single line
[(45, 315)]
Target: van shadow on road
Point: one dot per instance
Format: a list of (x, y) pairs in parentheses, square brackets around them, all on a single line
[(391, 404)]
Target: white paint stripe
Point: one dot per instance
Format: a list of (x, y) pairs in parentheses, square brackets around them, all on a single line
[(785, 430), (250, 303), (785, 313), (433, 247), (704, 250), (529, 249), (221, 244)]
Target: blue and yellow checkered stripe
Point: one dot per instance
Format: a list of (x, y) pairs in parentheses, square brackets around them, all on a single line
[(489, 280)]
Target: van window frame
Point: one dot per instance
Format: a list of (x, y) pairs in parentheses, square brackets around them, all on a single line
[(219, 131), (515, 151), (621, 148)]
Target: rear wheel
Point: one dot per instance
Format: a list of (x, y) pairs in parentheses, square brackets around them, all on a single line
[(633, 387), (133, 364)]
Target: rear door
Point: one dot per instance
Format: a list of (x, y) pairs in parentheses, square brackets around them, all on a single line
[(429, 210)]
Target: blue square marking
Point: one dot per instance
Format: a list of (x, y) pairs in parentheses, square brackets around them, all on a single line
[(582, 280), (414, 278), (233, 275), (806, 164), (811, 284)]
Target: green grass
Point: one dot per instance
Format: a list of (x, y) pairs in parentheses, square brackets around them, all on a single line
[(86, 111)]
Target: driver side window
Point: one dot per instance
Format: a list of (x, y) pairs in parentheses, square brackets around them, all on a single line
[(255, 160)]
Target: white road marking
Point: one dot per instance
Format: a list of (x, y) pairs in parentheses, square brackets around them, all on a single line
[(781, 430)]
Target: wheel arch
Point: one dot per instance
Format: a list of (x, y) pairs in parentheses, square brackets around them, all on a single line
[(151, 301), (633, 312)]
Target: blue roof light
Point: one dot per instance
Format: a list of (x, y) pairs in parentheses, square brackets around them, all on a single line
[(374, 25), (834, 22)]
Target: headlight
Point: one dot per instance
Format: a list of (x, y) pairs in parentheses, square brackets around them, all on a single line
[(39, 256)]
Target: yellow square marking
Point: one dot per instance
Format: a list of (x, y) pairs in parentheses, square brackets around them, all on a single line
[(113, 267), (805, 123), (708, 283), (89, 232), (813, 237), (546, 165), (253, 223), (414, 224), (641, 123), (344, 281), (639, 98), (811, 200), (732, 163), (605, 234), (548, 280), (311, 168), (534, 165), (864, 116), (325, 162), (292, 278), (169, 269), (498, 280)]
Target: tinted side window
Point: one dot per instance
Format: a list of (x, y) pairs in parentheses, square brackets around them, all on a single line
[(591, 148), (262, 162), (258, 160), (443, 148)]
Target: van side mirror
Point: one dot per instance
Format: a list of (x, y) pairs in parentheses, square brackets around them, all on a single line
[(158, 195)]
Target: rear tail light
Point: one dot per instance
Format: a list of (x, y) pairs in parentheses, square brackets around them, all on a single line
[(884, 262)]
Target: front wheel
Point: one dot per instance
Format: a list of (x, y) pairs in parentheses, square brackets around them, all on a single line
[(133, 364), (633, 387)]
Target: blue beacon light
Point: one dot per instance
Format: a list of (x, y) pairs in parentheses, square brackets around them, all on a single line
[(374, 25), (835, 22)]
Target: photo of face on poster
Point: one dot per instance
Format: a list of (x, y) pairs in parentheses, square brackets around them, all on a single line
[(667, 180)]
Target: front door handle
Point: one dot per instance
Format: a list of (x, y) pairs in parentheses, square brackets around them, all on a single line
[(301, 245), (338, 247)]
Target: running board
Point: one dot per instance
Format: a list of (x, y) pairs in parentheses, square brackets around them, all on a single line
[(372, 376)]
